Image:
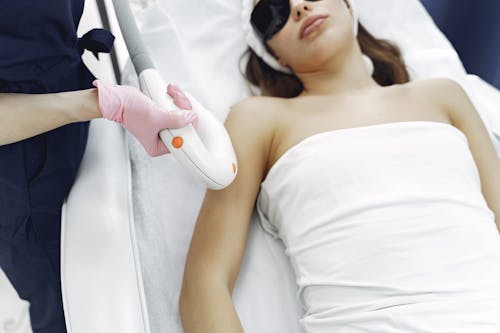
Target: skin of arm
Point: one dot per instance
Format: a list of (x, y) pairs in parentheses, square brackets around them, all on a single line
[(25, 115), (220, 234), (465, 117)]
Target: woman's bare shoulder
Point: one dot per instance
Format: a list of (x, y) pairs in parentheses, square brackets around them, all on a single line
[(439, 89), (440, 92), (257, 112), (260, 106)]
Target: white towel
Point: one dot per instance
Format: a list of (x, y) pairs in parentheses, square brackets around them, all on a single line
[(387, 230)]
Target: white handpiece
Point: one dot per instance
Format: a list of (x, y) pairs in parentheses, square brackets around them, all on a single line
[(207, 151)]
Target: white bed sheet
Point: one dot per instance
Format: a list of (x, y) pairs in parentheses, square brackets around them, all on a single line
[(198, 45)]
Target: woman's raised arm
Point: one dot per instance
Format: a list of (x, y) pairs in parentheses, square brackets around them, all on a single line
[(220, 235)]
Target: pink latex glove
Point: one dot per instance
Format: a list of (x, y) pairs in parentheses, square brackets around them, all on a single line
[(179, 98), (141, 116)]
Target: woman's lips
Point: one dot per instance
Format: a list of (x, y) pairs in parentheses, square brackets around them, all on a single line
[(311, 24)]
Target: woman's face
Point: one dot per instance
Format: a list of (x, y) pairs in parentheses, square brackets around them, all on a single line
[(315, 32)]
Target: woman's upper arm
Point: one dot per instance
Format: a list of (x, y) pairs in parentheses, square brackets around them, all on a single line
[(219, 238), (465, 117)]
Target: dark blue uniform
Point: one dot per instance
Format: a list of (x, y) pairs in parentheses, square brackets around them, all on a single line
[(40, 53)]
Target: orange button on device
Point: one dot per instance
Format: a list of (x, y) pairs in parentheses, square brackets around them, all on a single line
[(234, 167), (177, 142)]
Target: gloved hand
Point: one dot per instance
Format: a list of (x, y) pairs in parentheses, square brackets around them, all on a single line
[(141, 116), (185, 101), (179, 98)]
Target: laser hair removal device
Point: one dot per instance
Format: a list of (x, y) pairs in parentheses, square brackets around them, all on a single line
[(207, 151)]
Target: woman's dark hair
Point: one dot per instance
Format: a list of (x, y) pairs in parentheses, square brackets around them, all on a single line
[(389, 68)]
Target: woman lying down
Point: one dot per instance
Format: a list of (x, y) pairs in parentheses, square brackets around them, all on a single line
[(383, 191)]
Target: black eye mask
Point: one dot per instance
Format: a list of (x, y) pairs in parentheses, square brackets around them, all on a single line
[(269, 17)]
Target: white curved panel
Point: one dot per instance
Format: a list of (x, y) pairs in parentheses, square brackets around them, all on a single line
[(100, 271)]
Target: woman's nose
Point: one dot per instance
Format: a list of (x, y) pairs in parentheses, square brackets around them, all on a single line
[(300, 9)]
